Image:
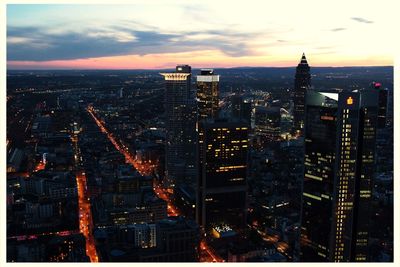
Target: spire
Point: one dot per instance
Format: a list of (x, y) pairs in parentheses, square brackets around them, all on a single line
[(303, 59)]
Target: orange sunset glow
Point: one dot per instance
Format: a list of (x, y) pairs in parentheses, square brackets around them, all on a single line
[(222, 34)]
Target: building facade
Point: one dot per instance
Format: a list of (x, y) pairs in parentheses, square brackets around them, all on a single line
[(180, 122), (207, 94), (223, 183), (267, 123), (338, 169), (241, 108)]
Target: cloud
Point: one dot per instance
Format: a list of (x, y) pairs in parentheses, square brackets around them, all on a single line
[(362, 20), (42, 44), (338, 29)]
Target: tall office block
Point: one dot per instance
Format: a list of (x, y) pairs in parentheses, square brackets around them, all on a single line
[(223, 184), (180, 122), (338, 169), (207, 94), (302, 83)]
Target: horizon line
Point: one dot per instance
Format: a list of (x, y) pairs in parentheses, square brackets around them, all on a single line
[(238, 67)]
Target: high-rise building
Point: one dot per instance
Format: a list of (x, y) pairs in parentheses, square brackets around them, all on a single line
[(302, 83), (267, 123), (338, 169), (383, 102), (180, 122), (207, 94), (223, 182), (241, 108)]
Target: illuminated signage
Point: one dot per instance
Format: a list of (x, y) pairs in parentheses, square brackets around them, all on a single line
[(377, 85), (349, 100)]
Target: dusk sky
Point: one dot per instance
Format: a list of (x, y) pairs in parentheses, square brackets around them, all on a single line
[(162, 34)]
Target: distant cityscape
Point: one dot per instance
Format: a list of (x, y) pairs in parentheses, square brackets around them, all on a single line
[(200, 165)]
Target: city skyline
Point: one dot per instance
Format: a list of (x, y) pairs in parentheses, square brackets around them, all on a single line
[(182, 131), (160, 35), (113, 135)]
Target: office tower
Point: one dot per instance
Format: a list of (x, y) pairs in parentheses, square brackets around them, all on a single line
[(207, 94), (267, 123), (222, 185), (338, 170), (383, 102), (180, 128), (241, 109), (302, 83)]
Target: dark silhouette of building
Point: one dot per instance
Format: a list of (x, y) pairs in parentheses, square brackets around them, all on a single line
[(185, 199), (241, 109), (267, 123), (180, 122), (383, 103), (338, 169), (179, 239), (302, 83), (223, 181)]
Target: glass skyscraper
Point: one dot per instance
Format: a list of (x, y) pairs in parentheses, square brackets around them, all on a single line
[(339, 166)]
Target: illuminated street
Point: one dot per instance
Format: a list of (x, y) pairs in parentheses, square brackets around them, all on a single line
[(85, 214), (171, 209), (210, 256), (142, 167), (40, 166)]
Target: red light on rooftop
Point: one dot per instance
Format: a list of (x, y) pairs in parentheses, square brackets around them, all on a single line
[(377, 85)]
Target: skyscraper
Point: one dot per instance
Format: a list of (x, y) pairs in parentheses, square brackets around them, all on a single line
[(180, 128), (302, 82), (383, 102), (338, 169), (207, 94), (223, 181), (241, 108)]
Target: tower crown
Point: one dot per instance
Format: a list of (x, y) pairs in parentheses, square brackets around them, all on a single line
[(303, 59)]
